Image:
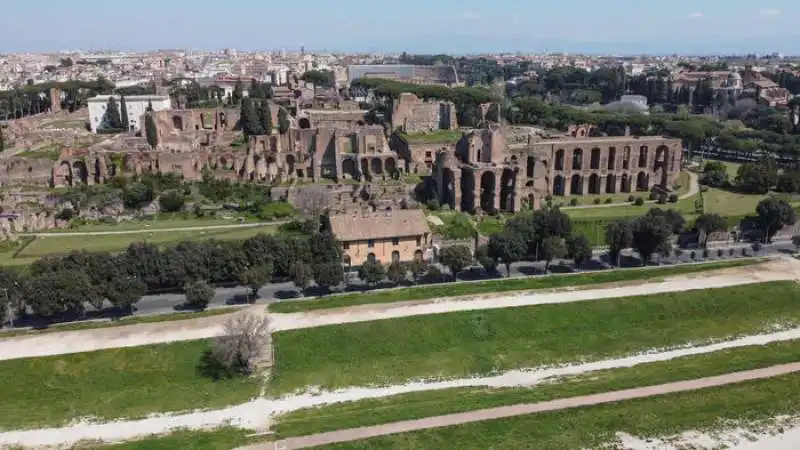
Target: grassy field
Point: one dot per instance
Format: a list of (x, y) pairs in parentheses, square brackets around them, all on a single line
[(502, 285), (592, 427), (132, 320), (149, 224), (219, 439), (622, 197), (479, 342), (451, 136), (108, 384), (450, 401), (58, 245)]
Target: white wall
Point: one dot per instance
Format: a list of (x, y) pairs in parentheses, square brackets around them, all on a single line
[(135, 106)]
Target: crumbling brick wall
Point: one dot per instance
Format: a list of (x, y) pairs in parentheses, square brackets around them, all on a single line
[(412, 115)]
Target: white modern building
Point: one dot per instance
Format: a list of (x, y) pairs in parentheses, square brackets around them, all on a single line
[(134, 104)]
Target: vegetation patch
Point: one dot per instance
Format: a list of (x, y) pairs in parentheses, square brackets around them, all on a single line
[(472, 343), (596, 426), (109, 384), (45, 153), (224, 438), (443, 136), (503, 285), (427, 404)]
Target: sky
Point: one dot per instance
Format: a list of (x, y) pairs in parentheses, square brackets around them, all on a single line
[(416, 26)]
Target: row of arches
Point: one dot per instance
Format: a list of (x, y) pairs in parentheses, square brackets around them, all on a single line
[(481, 190), (369, 167), (595, 184), (372, 258), (595, 158), (77, 172)]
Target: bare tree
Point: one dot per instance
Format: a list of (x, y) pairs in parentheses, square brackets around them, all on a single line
[(238, 350), (313, 201)]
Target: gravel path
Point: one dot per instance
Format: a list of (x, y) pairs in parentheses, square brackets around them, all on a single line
[(58, 343), (518, 410), (259, 413)]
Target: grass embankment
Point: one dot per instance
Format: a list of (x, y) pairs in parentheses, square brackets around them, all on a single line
[(131, 320), (220, 439), (469, 343), (502, 285), (593, 427), (108, 384), (450, 401)]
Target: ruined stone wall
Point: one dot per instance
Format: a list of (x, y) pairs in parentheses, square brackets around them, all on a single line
[(412, 115), (16, 170), (333, 119)]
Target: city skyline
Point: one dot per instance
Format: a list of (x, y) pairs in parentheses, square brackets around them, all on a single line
[(468, 26)]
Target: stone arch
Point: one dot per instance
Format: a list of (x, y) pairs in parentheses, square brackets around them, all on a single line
[(80, 173), (98, 171), (395, 256), (594, 183), (418, 255), (559, 160), (371, 258), (303, 123), (626, 158), (349, 168), (558, 185), (448, 188), (488, 187), (611, 184), (642, 181), (594, 162), (177, 123), (290, 162), (365, 169), (643, 156), (530, 167), (376, 166), (508, 184), (660, 164), (576, 185), (625, 183), (390, 165), (63, 174), (612, 158), (577, 159), (467, 190)]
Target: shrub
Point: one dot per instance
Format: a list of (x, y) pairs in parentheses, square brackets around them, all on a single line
[(597, 201), (198, 294), (693, 255), (673, 198), (731, 252), (653, 195), (574, 202), (276, 210), (756, 247), (705, 253), (744, 252), (720, 253), (171, 201), (631, 198), (609, 201), (65, 214), (433, 204), (638, 201)]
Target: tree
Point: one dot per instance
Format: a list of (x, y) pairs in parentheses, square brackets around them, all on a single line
[(124, 291), (238, 350), (198, 294), (773, 215), (329, 274), (111, 118), (301, 275), (619, 236), (579, 249), (171, 201), (265, 116), (123, 107), (251, 126), (396, 272), (372, 272), (755, 178), (456, 258), (150, 130), (552, 248), (54, 293), (507, 247), (673, 218), (321, 78), (238, 92), (256, 277), (149, 106), (283, 121), (650, 234), (709, 223), (417, 268)]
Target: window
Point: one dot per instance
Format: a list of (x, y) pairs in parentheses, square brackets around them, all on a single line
[(419, 241), (428, 154), (370, 243), (395, 241), (346, 245)]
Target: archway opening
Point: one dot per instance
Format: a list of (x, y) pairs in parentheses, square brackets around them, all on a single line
[(365, 169), (488, 186), (594, 184), (625, 183), (559, 160), (611, 184), (595, 159), (558, 185), (177, 123), (641, 182), (530, 167), (467, 190), (576, 185), (508, 182), (377, 166), (577, 159), (79, 172), (349, 168)]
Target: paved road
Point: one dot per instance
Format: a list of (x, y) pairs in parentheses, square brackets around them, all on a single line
[(354, 434)]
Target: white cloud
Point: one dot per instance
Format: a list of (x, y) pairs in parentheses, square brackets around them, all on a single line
[(695, 15), (769, 12), (470, 15)]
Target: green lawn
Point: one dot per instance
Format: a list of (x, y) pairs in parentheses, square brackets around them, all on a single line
[(56, 245), (221, 439), (479, 342), (149, 224), (109, 384), (685, 206), (445, 136), (502, 285), (622, 197), (594, 427), (44, 153), (132, 320), (426, 404)]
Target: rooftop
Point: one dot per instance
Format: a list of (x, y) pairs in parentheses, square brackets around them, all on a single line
[(379, 225)]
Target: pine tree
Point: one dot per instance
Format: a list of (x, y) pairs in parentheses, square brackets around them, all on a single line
[(265, 115), (283, 121), (111, 118), (150, 130), (124, 114), (251, 126), (149, 106)]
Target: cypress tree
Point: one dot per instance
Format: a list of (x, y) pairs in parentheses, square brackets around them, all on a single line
[(111, 118), (265, 115), (251, 126), (236, 98), (283, 121), (149, 106), (2, 140), (123, 109), (150, 130)]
